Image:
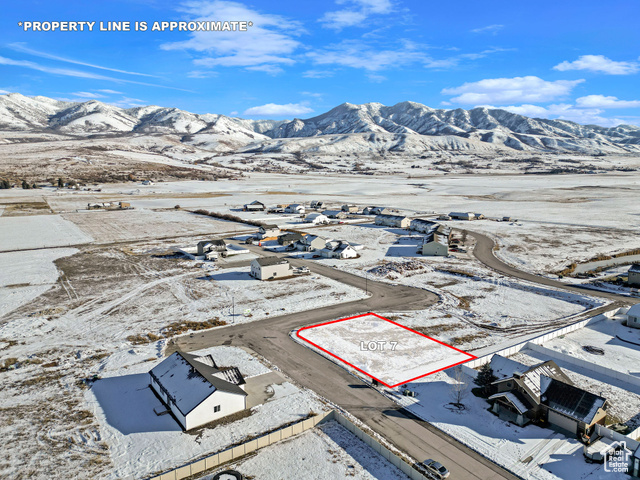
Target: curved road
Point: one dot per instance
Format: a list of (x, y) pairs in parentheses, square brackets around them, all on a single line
[(270, 339)]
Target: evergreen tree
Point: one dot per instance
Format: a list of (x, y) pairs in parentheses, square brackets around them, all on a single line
[(25, 185), (485, 378), (60, 183)]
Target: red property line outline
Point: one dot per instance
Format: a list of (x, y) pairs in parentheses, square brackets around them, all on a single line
[(472, 357)]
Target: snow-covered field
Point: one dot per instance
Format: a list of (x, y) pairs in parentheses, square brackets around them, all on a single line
[(329, 452), (382, 349), (140, 442), (140, 224), (24, 277), (39, 231), (530, 452)]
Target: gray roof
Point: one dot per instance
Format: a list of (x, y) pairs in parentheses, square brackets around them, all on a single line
[(635, 268), (505, 367), (269, 226), (392, 217), (266, 261)]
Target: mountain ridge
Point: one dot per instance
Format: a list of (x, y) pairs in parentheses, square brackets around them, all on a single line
[(408, 127)]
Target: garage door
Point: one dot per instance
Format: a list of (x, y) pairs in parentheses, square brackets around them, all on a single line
[(563, 422)]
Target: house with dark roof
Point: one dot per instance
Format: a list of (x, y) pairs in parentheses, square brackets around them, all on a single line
[(270, 268), (543, 393), (289, 238), (435, 244), (195, 391), (254, 206)]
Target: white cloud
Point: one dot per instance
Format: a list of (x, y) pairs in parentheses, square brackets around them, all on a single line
[(318, 74), (270, 41), (492, 29), (272, 109), (234, 113), (270, 69), (356, 14), (110, 92), (508, 90), (21, 47), (87, 95), (376, 78), (312, 94), (202, 74), (563, 111), (356, 54), (599, 63), (4, 92), (600, 101), (76, 73), (126, 102)]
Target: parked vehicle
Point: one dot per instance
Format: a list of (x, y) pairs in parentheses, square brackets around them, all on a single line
[(439, 470)]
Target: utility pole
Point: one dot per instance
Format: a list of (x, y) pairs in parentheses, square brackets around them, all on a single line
[(233, 307), (366, 283)]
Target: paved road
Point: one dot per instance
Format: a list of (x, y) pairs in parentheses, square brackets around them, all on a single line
[(483, 251), (270, 338)]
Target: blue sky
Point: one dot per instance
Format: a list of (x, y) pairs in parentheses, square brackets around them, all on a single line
[(577, 60)]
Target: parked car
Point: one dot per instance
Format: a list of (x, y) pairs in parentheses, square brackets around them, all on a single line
[(439, 470)]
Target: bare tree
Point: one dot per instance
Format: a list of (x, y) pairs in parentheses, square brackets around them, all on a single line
[(460, 387)]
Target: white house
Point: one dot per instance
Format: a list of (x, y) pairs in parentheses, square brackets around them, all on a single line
[(267, 231), (634, 274), (399, 221), (338, 249), (317, 219), (269, 268), (294, 208), (309, 243), (254, 206), (435, 245), (195, 391), (633, 316), (462, 216)]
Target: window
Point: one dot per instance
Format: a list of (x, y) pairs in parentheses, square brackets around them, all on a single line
[(216, 409)]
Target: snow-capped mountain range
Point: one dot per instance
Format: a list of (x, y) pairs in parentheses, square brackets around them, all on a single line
[(406, 127)]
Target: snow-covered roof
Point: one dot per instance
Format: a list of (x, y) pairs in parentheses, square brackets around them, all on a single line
[(391, 217), (515, 401), (635, 268), (505, 367), (266, 261), (634, 311), (189, 382)]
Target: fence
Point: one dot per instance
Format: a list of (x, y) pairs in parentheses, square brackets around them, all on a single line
[(593, 367), (469, 367), (629, 440), (238, 451), (216, 459)]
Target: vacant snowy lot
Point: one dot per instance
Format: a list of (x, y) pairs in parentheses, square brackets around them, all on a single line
[(130, 225), (382, 349), (24, 277), (39, 231), (329, 451)]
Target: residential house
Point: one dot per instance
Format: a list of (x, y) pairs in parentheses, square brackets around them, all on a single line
[(294, 208), (371, 210), (634, 275), (309, 243), (350, 208), (633, 316), (289, 238), (399, 221), (422, 225), (435, 244), (339, 214), (268, 231), (317, 204), (254, 206), (195, 391), (544, 393), (206, 246), (462, 216), (338, 249), (317, 219), (269, 268)]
